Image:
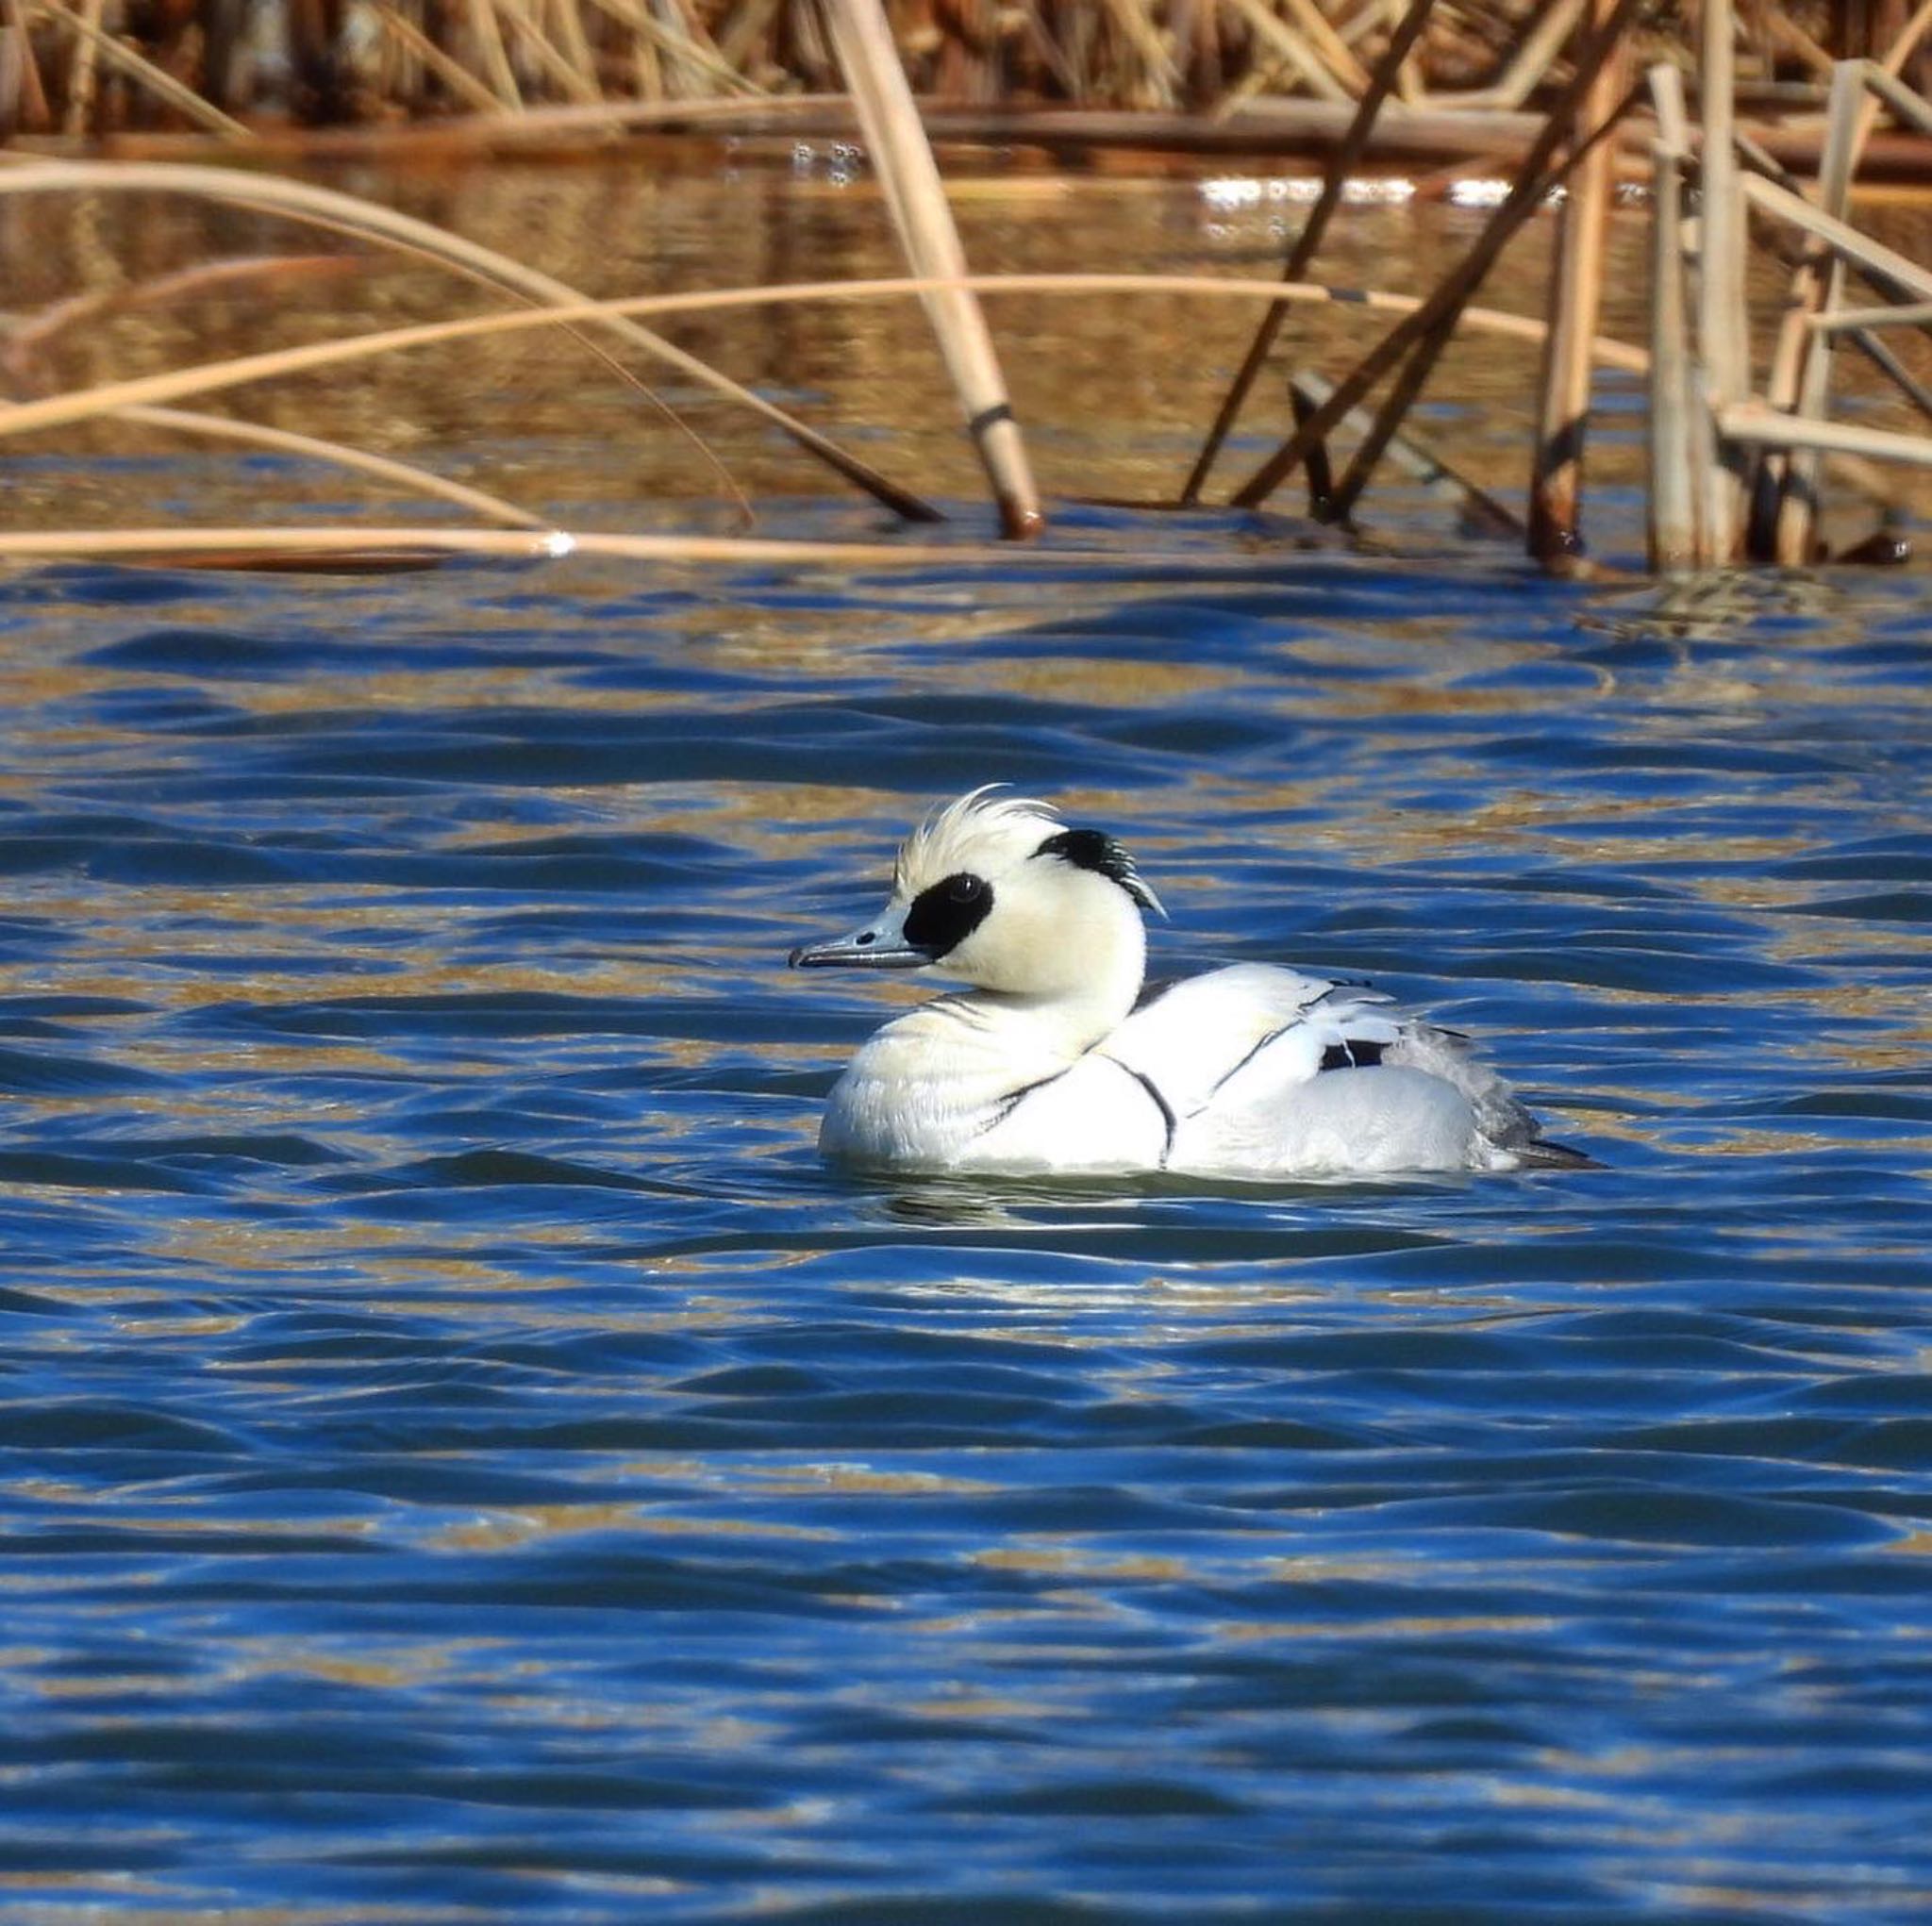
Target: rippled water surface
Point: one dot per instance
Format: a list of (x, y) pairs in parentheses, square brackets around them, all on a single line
[(466, 1459), (463, 1458)]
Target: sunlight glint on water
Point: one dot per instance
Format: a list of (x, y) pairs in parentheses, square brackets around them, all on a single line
[(466, 1459)]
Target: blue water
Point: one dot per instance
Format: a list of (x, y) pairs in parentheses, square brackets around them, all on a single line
[(465, 1459)]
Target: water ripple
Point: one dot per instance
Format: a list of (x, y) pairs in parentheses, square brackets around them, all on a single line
[(464, 1458)]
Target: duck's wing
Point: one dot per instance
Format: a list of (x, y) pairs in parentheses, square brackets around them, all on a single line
[(1235, 1031), (1239, 1054)]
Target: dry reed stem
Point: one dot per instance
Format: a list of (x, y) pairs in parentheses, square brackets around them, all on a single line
[(1138, 32), (1408, 80), (1332, 47), (1752, 421), (555, 546), (1794, 38), (1918, 314), (96, 42), (638, 19), (580, 87), (1900, 98), (574, 43), (1527, 65), (1341, 165), (1787, 513), (402, 474), (1291, 49), (82, 82), (28, 335), (322, 207), (1724, 338), (1860, 249), (452, 72), (1420, 460), (399, 240), (174, 384), (1894, 371), (917, 197), (35, 114), (1785, 505), (1575, 299), (1670, 506), (495, 56)]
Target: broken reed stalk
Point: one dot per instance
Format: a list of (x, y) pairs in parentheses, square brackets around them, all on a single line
[(344, 213), (1452, 292), (1672, 496), (1341, 166), (1575, 299), (917, 197)]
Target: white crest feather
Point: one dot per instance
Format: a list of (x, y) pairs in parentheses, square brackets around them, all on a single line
[(980, 830)]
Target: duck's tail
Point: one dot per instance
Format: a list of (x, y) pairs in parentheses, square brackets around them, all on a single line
[(1545, 1154), (1503, 1122)]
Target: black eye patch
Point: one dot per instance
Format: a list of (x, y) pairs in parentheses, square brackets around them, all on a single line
[(944, 916)]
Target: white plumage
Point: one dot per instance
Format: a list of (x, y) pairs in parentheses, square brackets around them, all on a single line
[(1047, 1064)]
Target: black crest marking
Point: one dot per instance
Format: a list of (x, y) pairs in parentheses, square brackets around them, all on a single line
[(1090, 849), (944, 916)]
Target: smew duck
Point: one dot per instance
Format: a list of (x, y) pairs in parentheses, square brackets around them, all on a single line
[(1053, 1060)]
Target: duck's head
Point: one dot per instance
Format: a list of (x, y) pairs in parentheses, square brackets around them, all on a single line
[(998, 890)]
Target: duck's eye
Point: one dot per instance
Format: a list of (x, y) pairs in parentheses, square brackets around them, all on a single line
[(948, 913)]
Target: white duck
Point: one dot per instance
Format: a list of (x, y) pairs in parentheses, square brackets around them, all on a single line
[(1047, 1065)]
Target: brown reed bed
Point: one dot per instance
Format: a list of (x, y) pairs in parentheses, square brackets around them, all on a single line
[(237, 70), (1734, 470)]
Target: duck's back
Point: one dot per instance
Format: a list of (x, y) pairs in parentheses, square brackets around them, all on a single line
[(1269, 1072)]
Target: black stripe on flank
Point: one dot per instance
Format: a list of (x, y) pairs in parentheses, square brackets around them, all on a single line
[(1249, 1058), (1012, 1101), (1169, 1122), (944, 916)]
